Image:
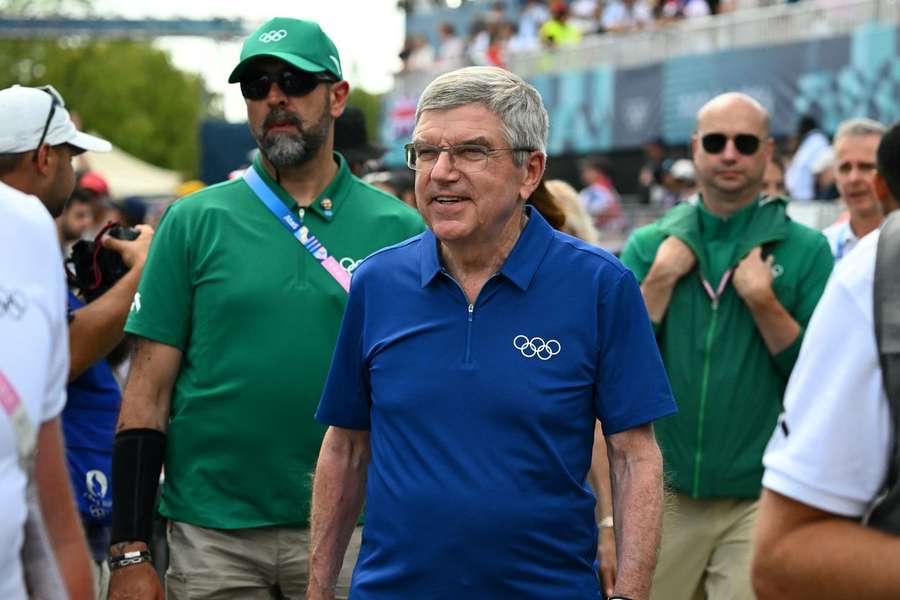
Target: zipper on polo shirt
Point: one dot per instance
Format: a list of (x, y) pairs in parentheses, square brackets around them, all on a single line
[(469, 334), (301, 212), (470, 313)]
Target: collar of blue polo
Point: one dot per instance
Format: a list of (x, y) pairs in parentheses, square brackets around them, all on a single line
[(519, 267), (327, 204)]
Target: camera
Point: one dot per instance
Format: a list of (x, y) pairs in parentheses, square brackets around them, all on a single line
[(92, 268)]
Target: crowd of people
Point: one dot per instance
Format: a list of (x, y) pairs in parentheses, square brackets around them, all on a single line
[(507, 28), (520, 413)]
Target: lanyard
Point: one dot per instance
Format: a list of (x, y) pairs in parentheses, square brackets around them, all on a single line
[(297, 229), (842, 242), (714, 295), (15, 410)]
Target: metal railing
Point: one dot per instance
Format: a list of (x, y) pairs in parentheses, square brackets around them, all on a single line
[(762, 26)]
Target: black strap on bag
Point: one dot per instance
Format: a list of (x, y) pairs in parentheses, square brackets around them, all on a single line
[(886, 311), (886, 295)]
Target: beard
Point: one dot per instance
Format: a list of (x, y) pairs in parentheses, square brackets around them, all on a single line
[(285, 150)]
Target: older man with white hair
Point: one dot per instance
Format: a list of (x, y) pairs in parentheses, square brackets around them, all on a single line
[(472, 365), (855, 148)]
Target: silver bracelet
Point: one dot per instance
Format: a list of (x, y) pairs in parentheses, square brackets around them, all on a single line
[(128, 559)]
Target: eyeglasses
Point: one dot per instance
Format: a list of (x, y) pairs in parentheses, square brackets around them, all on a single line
[(746, 144), (55, 100), (469, 158), (293, 82)]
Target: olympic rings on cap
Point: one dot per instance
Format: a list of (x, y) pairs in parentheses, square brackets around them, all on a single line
[(536, 346), (275, 35)]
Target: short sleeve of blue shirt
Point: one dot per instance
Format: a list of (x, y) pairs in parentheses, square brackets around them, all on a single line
[(345, 400), (631, 388)]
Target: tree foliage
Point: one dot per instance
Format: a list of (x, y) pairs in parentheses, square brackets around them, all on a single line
[(127, 91), (370, 105)]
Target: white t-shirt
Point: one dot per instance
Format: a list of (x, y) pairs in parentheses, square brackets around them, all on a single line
[(841, 239), (34, 353), (799, 178), (835, 456)]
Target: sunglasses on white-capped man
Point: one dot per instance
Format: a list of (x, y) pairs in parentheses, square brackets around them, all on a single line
[(56, 101)]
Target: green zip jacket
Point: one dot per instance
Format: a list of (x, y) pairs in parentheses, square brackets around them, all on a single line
[(728, 386)]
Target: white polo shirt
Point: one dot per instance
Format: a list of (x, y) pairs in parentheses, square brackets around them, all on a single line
[(34, 353), (835, 453)]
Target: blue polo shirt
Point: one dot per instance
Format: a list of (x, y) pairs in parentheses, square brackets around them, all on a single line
[(482, 416)]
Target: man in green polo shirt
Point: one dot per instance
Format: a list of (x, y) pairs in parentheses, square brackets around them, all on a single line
[(237, 315), (730, 284)]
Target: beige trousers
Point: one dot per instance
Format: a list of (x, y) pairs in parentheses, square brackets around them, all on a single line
[(706, 549), (245, 564)]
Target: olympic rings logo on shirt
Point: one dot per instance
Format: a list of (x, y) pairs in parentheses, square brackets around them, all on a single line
[(536, 346), (275, 35)]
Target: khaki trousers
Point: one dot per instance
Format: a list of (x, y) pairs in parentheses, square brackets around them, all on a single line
[(245, 564), (706, 549)]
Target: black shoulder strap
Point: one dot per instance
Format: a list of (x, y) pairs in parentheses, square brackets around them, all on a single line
[(886, 313), (886, 297)]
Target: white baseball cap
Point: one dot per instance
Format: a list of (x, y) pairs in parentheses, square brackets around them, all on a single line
[(24, 113), (683, 170)]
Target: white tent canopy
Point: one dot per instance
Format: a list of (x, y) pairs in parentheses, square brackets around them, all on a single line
[(128, 175)]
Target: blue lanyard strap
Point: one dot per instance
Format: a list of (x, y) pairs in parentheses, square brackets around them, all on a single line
[(842, 241), (296, 228)]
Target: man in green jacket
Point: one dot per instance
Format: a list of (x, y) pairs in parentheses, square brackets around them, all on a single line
[(730, 283)]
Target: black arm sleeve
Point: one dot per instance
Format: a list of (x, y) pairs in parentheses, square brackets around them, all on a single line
[(137, 461)]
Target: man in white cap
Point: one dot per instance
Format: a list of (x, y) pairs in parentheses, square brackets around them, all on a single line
[(37, 143)]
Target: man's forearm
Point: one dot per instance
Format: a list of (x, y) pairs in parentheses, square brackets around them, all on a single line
[(338, 494), (59, 512), (98, 327), (637, 499), (657, 292), (826, 558), (776, 325)]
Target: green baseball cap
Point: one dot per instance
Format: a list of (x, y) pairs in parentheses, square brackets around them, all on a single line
[(302, 44)]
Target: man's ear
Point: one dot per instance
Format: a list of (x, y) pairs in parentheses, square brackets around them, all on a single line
[(887, 201), (44, 157), (339, 92), (535, 165)]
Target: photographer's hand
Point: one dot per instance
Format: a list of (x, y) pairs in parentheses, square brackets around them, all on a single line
[(133, 252), (98, 327)]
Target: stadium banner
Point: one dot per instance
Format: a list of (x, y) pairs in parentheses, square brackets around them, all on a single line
[(769, 74), (580, 105), (638, 106), (604, 109)]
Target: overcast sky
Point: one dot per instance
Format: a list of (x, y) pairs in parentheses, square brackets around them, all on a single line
[(367, 33)]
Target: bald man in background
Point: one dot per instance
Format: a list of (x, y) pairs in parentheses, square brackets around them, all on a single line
[(730, 283)]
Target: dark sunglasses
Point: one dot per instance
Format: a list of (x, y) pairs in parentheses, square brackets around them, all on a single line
[(255, 86), (746, 144), (54, 102)]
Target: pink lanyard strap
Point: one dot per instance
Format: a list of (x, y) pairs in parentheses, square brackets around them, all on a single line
[(24, 432), (714, 295)]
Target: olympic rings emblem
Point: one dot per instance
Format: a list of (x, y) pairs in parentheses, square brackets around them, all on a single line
[(349, 264), (275, 35), (536, 346)]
